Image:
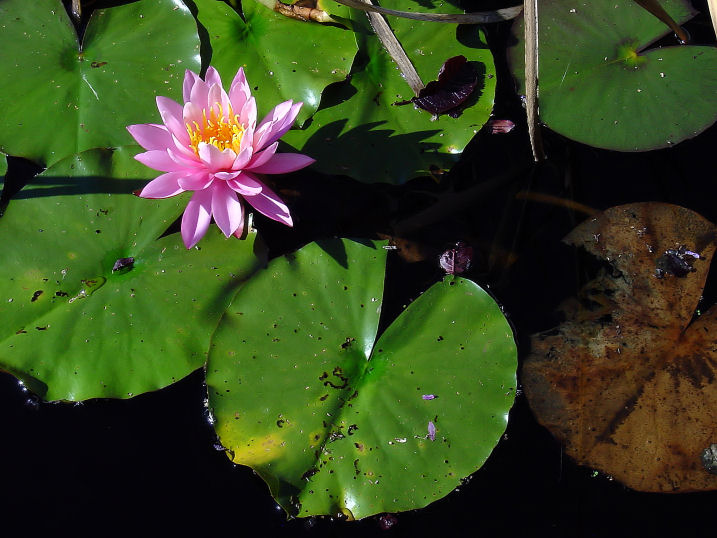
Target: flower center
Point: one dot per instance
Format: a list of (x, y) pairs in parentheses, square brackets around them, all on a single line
[(218, 130)]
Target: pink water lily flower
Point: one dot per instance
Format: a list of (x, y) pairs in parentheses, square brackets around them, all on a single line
[(213, 146)]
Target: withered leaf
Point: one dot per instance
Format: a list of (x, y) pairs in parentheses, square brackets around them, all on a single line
[(629, 382), (456, 81)]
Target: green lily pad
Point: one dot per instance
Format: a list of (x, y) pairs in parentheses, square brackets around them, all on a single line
[(282, 58), (77, 322), (360, 132), (3, 169), (59, 98), (600, 86), (336, 422)]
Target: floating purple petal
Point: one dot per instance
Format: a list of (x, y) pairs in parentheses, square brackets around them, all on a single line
[(457, 260), (456, 81), (497, 126), (429, 396), (431, 431), (121, 263)]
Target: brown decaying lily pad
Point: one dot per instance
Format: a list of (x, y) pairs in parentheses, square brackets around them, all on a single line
[(629, 382)]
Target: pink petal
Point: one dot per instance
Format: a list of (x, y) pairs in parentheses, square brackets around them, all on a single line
[(239, 91), (263, 156), (215, 159), (226, 209), (191, 114), (275, 124), (163, 186), (197, 181), (197, 217), (247, 140), (240, 230), (226, 176), (172, 117), (184, 151), (159, 160), (151, 136), (283, 163), (218, 95), (246, 185), (269, 204), (190, 78), (247, 114), (243, 158), (198, 97), (212, 77)]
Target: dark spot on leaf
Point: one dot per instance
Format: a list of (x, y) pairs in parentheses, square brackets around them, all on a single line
[(36, 295), (338, 372), (676, 262), (123, 263), (42, 328), (352, 428), (280, 423), (98, 64), (323, 398), (308, 474), (60, 294), (21, 331)]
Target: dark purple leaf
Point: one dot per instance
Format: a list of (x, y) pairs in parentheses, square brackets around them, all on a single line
[(457, 260), (456, 81), (497, 126), (386, 521)]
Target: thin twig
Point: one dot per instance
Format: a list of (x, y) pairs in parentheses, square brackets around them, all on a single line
[(654, 7), (482, 17), (556, 200), (531, 77), (394, 48), (76, 9)]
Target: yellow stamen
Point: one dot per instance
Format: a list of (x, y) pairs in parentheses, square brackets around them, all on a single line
[(218, 130)]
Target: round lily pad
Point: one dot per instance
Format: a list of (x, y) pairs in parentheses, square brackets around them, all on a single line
[(600, 84), (60, 97), (338, 422), (94, 302)]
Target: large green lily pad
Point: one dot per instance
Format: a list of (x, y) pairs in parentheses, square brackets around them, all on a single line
[(60, 98), (73, 325), (360, 132), (600, 86), (283, 58), (336, 422)]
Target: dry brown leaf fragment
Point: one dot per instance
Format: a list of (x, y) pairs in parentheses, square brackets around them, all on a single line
[(629, 381)]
